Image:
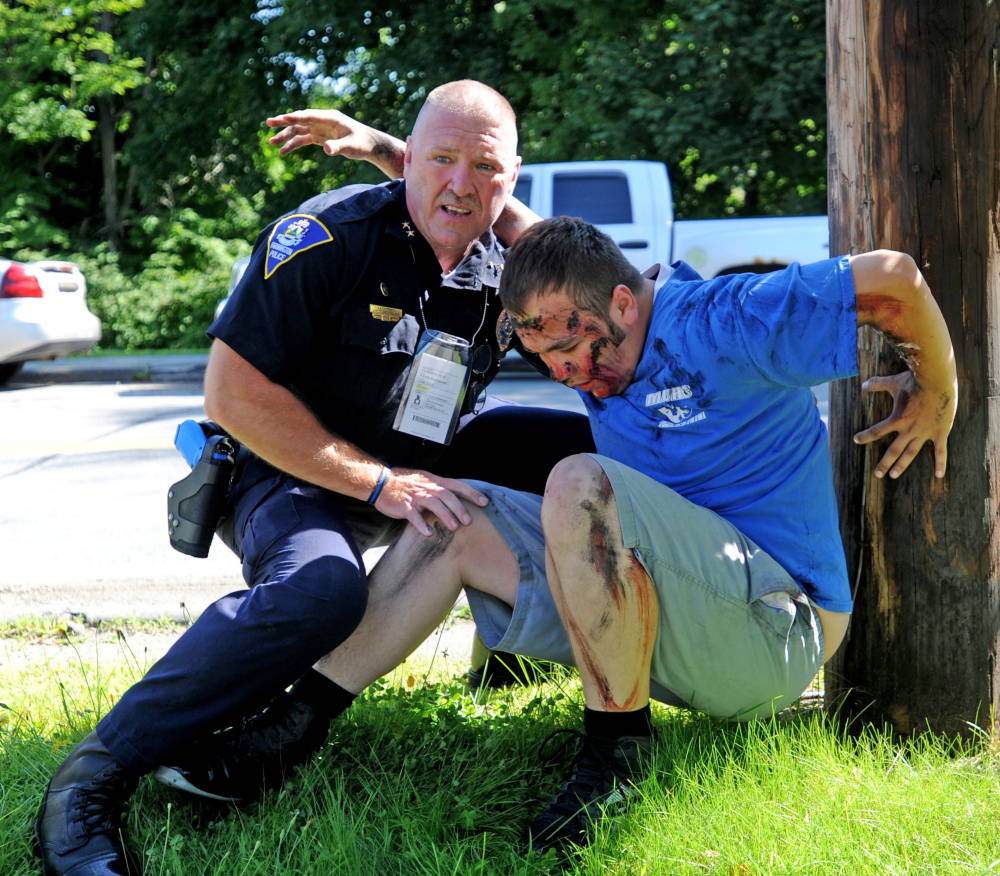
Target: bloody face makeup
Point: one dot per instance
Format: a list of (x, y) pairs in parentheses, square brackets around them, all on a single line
[(580, 349)]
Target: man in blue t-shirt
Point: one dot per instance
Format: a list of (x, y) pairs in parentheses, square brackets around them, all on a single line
[(696, 558)]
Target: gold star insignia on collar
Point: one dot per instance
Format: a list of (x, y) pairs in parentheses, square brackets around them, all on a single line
[(409, 231)]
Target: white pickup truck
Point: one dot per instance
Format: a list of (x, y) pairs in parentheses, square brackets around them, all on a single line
[(632, 202)]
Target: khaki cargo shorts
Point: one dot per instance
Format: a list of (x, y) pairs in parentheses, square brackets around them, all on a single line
[(737, 637)]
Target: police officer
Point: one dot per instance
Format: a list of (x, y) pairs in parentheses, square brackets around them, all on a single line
[(308, 371)]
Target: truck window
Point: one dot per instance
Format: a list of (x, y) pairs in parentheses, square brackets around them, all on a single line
[(598, 198), (522, 190)]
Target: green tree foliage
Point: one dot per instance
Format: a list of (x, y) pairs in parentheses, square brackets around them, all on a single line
[(730, 93), (131, 131), (199, 139), (114, 111), (57, 63)]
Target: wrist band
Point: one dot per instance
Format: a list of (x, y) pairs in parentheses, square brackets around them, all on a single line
[(381, 483)]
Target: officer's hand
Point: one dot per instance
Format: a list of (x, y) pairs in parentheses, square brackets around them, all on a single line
[(408, 493), (337, 133)]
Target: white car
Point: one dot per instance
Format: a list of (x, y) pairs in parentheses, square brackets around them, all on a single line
[(239, 269), (43, 314)]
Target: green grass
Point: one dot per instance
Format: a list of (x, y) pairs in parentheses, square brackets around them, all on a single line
[(419, 779), (107, 352), (62, 629)]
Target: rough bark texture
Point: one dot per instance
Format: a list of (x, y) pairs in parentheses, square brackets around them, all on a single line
[(107, 123), (914, 152)]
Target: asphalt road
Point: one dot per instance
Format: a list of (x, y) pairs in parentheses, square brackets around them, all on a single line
[(86, 456)]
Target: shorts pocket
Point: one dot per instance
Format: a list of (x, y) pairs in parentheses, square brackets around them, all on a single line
[(776, 611)]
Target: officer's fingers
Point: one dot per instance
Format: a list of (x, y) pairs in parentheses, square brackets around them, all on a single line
[(441, 509), (888, 458), (283, 135), (454, 503), (897, 457), (467, 491), (293, 127), (291, 142), (416, 518), (300, 117)]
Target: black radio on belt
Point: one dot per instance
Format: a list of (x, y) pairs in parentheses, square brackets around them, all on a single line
[(195, 503)]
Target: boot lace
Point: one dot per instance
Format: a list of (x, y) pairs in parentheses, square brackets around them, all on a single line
[(594, 765), (98, 802), (270, 744)]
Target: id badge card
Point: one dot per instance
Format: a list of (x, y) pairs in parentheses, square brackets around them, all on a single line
[(435, 388)]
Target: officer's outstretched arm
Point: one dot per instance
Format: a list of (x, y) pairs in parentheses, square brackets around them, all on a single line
[(893, 296), (274, 424), (339, 134)]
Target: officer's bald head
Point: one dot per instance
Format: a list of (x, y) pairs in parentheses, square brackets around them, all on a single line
[(474, 100), (460, 166)]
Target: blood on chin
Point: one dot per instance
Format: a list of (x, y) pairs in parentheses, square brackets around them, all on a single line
[(604, 386), (597, 388)]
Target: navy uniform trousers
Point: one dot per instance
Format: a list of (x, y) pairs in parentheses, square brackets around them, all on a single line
[(301, 549)]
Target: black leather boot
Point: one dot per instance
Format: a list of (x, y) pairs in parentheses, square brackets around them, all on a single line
[(79, 827)]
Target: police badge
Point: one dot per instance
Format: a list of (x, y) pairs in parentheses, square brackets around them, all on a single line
[(505, 330), (290, 236)]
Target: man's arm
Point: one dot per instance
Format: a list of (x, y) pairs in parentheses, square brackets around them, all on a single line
[(339, 134), (279, 428), (513, 221), (893, 297)]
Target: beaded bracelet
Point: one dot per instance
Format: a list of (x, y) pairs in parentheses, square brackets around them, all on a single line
[(381, 483)]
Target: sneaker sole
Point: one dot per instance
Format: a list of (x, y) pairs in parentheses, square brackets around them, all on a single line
[(169, 776)]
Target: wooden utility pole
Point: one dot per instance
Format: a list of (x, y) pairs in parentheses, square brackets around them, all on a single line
[(914, 146)]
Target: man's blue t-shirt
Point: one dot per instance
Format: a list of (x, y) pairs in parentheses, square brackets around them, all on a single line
[(721, 411)]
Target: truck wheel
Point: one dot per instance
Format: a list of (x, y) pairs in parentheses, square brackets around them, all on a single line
[(8, 371), (751, 269)]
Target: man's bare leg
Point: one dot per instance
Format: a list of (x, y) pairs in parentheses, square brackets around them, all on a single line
[(413, 588), (610, 611), (605, 598)]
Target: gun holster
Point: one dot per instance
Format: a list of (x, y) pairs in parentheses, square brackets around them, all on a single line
[(195, 503)]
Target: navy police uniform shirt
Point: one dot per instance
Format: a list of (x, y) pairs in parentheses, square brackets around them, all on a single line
[(334, 300)]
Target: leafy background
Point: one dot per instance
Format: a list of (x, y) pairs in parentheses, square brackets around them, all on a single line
[(132, 135)]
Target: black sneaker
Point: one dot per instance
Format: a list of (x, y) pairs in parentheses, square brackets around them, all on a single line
[(502, 670), (601, 782), (240, 764)]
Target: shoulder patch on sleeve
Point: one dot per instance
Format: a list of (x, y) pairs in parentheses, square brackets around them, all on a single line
[(292, 235)]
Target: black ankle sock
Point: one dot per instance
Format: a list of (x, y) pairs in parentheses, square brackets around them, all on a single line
[(324, 697), (612, 725)]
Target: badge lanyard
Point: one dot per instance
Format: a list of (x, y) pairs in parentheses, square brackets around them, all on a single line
[(436, 385)]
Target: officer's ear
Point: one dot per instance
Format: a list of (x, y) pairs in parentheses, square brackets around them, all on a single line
[(407, 156)]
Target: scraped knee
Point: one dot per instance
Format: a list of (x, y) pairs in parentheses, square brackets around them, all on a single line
[(576, 490)]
